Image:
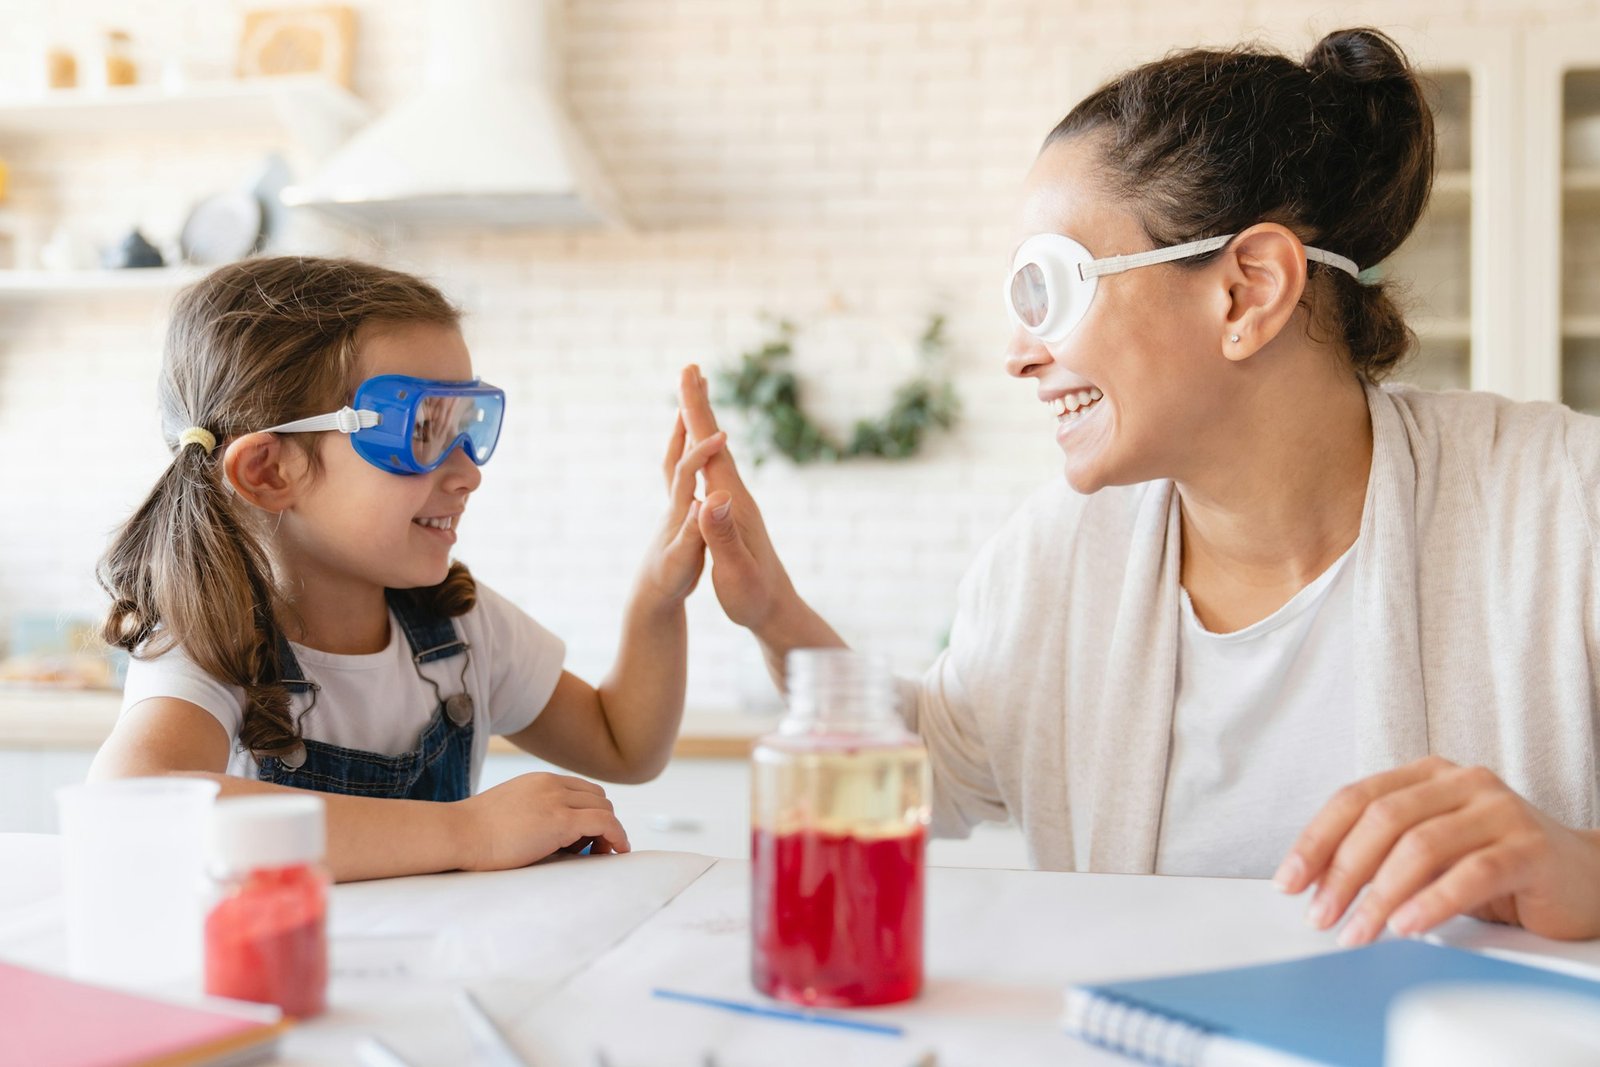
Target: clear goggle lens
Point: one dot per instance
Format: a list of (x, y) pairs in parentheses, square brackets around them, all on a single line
[(1030, 300), (443, 421)]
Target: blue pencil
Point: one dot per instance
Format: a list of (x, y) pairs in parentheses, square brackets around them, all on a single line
[(794, 1015)]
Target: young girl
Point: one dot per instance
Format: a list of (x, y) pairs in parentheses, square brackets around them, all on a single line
[(295, 618)]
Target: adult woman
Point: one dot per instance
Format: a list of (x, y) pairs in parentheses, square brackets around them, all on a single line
[(1269, 578)]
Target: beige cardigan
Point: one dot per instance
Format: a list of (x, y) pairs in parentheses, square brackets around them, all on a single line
[(1477, 595)]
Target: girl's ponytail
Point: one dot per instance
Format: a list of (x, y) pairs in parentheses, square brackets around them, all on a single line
[(185, 570)]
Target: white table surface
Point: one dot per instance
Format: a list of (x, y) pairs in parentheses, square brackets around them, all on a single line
[(565, 955)]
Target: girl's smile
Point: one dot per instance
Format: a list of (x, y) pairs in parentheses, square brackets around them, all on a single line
[(442, 527)]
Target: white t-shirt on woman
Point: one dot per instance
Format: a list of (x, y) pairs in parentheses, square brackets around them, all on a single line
[(1262, 733)]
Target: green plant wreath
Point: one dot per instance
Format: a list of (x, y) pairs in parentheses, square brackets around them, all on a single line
[(764, 389)]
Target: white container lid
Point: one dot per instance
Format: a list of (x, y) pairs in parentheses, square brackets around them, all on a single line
[(1452, 1025), (267, 831)]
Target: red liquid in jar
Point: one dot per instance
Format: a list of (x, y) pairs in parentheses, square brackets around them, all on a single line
[(837, 920), (267, 941)]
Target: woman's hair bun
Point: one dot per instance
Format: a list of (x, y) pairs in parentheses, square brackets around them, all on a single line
[(1362, 56)]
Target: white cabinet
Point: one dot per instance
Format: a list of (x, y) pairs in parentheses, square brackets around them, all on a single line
[(703, 805), (29, 779), (1506, 263), (1561, 283), (1453, 267), (696, 805)]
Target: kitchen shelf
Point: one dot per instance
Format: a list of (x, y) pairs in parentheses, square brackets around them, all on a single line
[(1586, 327), (315, 111), (1436, 328), (47, 283)]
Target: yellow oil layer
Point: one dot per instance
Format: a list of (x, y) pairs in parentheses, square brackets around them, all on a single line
[(862, 790)]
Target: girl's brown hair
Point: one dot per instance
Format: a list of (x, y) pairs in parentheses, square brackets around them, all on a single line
[(1339, 148), (251, 345)]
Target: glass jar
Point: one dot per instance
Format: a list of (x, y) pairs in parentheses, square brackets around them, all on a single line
[(839, 818), (60, 68), (266, 931), (120, 66)]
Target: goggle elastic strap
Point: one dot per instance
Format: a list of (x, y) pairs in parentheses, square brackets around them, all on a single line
[(1117, 264), (346, 420)]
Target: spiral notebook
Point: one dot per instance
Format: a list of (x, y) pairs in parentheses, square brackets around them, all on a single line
[(1325, 1009), (49, 1021)]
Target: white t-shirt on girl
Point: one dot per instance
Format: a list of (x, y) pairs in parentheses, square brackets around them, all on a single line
[(376, 702)]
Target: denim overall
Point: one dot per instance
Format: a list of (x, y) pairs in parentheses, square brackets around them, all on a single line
[(439, 768)]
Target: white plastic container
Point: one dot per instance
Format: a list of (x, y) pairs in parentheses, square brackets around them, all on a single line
[(133, 880), (1453, 1025)]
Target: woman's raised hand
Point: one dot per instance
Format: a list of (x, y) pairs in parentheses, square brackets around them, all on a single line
[(750, 580)]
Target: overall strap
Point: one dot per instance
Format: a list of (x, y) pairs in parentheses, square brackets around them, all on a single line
[(431, 637), (289, 671)]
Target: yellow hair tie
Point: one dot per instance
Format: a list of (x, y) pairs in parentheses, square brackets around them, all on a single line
[(196, 435)]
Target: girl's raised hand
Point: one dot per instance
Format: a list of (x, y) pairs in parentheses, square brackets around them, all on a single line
[(533, 816), (678, 554)]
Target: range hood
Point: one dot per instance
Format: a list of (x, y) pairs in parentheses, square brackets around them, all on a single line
[(484, 143)]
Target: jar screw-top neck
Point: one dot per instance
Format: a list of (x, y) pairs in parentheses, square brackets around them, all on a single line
[(836, 690)]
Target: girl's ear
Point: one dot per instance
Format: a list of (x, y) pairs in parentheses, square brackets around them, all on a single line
[(263, 472)]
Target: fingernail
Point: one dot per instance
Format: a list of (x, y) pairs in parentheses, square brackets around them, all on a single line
[(1320, 914), (1290, 872), (1358, 931), (1405, 920), (720, 512)]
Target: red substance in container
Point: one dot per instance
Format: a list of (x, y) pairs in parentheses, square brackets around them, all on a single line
[(267, 942), (837, 920)]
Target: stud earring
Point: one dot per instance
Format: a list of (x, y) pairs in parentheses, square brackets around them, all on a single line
[(1234, 338)]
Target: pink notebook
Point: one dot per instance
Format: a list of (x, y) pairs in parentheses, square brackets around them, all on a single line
[(47, 1021)]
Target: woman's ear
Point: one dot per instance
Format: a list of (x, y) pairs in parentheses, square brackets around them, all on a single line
[(1266, 276), (263, 472)]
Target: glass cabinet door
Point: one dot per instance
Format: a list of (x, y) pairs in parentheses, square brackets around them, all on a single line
[(1434, 266), (1559, 309), (1579, 312), (1454, 265)]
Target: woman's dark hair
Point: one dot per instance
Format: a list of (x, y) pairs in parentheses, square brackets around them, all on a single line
[(1338, 148), (251, 345)]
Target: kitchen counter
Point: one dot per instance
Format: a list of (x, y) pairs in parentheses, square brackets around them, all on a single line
[(55, 719)]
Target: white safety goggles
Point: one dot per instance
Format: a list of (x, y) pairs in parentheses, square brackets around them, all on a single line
[(1053, 278)]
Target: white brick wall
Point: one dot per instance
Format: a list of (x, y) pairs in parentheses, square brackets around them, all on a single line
[(779, 156)]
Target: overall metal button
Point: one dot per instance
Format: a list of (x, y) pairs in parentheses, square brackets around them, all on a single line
[(459, 708)]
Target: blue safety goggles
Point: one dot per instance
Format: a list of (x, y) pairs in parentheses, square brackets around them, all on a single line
[(408, 425)]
